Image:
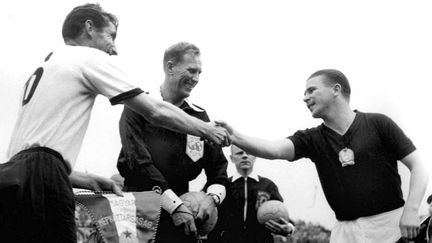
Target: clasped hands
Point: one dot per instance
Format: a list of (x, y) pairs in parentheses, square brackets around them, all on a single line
[(220, 133)]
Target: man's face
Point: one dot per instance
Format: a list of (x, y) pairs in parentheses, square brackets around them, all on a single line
[(103, 39), (242, 160), (318, 96), (186, 75)]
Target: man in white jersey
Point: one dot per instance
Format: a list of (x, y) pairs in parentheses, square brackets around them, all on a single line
[(36, 198)]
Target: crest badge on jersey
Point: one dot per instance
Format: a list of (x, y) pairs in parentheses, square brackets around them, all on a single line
[(346, 157), (262, 197), (194, 148)]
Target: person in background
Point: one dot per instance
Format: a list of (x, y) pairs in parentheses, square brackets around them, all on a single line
[(246, 192)]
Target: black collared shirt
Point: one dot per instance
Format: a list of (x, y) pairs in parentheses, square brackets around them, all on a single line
[(370, 186), (231, 226), (154, 156)]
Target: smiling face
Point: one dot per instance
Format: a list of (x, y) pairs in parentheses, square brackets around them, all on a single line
[(185, 75), (243, 162), (318, 96)]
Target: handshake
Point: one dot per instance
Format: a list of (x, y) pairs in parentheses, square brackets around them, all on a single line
[(219, 133)]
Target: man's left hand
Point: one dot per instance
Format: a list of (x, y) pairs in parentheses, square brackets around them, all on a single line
[(206, 208), (409, 223), (106, 184)]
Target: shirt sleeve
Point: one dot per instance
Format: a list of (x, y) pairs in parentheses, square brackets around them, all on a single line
[(301, 141), (216, 172), (217, 189), (170, 201), (103, 75), (275, 195), (136, 158), (394, 138), (215, 169), (139, 162)]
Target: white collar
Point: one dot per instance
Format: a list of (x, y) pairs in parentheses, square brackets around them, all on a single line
[(193, 107), (252, 175)]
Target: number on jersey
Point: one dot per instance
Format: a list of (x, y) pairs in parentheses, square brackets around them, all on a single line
[(31, 85)]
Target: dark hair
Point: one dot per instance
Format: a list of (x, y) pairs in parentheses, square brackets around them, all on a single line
[(176, 52), (75, 20), (334, 76)]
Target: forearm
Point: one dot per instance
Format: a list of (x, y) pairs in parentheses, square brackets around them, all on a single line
[(216, 173), (80, 180), (175, 119), (262, 148), (167, 115), (93, 182), (417, 186)]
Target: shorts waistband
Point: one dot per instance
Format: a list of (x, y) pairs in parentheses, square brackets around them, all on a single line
[(47, 150)]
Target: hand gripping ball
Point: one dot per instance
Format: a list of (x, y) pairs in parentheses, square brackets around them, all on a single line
[(272, 209), (192, 201)]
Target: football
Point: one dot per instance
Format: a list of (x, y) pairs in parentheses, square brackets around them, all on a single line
[(272, 209), (192, 201)]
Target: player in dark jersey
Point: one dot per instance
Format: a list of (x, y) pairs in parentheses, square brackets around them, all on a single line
[(356, 156)]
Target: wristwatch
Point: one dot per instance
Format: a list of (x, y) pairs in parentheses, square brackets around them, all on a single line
[(215, 197)]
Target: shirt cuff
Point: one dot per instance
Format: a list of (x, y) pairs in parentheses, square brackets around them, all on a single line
[(218, 190), (170, 201)]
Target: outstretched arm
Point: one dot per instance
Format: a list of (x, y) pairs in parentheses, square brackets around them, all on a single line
[(171, 117), (279, 149), (410, 222)]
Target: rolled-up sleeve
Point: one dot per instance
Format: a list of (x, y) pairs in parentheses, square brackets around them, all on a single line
[(216, 172)]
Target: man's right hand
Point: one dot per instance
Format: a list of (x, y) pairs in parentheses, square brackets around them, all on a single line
[(218, 135), (94, 182), (225, 125), (228, 128), (182, 216)]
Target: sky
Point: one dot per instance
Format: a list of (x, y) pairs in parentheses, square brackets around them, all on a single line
[(256, 58)]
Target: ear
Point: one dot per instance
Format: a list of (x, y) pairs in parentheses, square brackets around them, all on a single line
[(89, 27), (337, 88), (169, 66)]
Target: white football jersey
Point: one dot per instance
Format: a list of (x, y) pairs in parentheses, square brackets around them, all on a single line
[(59, 96)]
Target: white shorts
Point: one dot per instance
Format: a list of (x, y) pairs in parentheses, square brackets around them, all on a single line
[(379, 228)]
